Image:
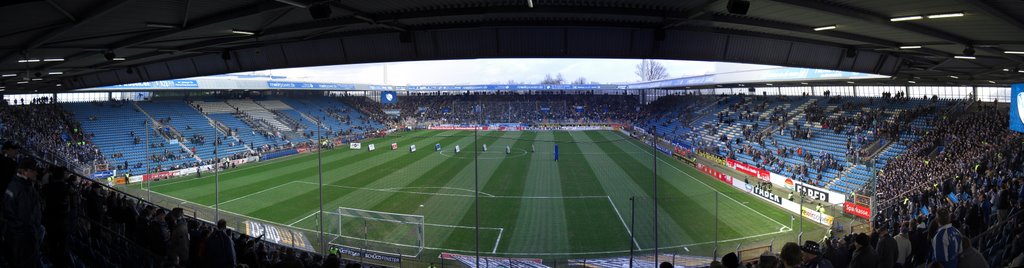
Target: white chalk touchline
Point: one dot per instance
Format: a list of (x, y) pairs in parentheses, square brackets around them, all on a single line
[(709, 187)]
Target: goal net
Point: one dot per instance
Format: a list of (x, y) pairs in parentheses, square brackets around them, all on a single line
[(368, 231)]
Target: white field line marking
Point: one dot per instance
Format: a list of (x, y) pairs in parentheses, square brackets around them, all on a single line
[(304, 218), (256, 193), (709, 186), (446, 188), (496, 242), (222, 172), (244, 167), (486, 195), (624, 223), (492, 228), (606, 252)]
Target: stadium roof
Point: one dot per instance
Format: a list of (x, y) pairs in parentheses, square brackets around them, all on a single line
[(90, 43)]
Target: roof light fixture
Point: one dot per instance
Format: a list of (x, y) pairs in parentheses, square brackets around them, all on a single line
[(824, 28), (965, 57), (946, 15), (1013, 52), (991, 82), (10, 75), (910, 47), (912, 82), (242, 32), (906, 18), (56, 73), (118, 59), (53, 59), (28, 60), (22, 82), (954, 77)]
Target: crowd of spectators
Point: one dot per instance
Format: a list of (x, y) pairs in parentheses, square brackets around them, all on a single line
[(969, 166), (519, 108), (53, 218), (51, 132)]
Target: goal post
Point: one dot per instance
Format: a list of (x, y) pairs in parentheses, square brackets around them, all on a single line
[(401, 235)]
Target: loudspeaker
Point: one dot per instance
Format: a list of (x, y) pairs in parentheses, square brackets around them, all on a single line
[(738, 7), (851, 52)]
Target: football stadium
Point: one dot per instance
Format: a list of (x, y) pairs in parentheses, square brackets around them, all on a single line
[(526, 133)]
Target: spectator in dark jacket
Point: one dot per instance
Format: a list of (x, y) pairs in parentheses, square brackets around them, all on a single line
[(23, 216), (178, 244), (8, 164), (220, 250), (887, 248), (55, 217), (864, 256)]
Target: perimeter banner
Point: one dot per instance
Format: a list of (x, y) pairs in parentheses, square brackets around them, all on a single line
[(764, 175), (356, 253), (277, 235), (857, 210)]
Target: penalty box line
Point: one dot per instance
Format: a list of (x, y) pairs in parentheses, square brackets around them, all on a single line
[(496, 242)]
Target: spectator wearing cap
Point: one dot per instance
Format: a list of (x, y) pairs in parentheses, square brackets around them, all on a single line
[(864, 256), (791, 256), (903, 244), (946, 246), (812, 256), (22, 217), (731, 260), (888, 250)]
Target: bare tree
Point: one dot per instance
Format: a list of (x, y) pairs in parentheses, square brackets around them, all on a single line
[(580, 81), (548, 80), (650, 70)]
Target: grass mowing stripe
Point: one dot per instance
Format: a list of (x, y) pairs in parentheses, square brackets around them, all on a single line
[(586, 217), (299, 203), (735, 213), (540, 224), (440, 174), (245, 182), (675, 207), (508, 180), (244, 173), (165, 185), (704, 181)]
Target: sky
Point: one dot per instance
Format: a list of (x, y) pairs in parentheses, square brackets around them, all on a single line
[(499, 71)]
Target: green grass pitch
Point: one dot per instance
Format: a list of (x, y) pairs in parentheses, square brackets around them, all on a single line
[(530, 205)]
